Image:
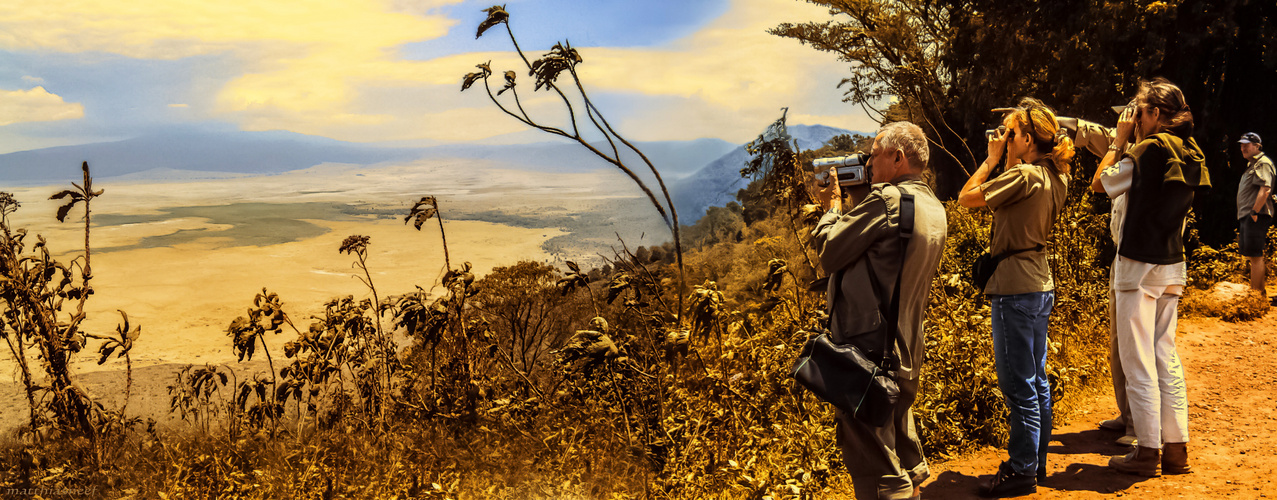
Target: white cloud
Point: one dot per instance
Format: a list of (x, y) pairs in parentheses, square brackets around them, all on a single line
[(32, 79), (728, 80), (179, 105), (36, 105), (331, 67), (732, 76), (306, 57), (180, 28)]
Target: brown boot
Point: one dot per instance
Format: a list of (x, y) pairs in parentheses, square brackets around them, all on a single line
[(1175, 459), (1141, 462)]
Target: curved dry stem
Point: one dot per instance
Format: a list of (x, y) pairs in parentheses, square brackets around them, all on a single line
[(571, 113), (935, 103), (678, 243), (923, 114)]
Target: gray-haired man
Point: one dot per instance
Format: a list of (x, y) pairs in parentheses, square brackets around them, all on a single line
[(885, 462)]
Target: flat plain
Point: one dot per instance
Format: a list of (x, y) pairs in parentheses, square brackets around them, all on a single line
[(185, 256)]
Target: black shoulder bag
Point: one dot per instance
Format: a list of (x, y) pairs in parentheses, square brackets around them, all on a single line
[(842, 374), (982, 267)]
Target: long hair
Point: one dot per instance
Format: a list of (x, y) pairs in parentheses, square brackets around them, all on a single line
[(1048, 138), (1174, 115)]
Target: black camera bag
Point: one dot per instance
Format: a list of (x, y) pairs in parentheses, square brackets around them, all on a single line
[(985, 264)]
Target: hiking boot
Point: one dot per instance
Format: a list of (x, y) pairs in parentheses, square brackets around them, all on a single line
[(1007, 483), (1113, 424), (1141, 462), (1175, 459), (1127, 440)]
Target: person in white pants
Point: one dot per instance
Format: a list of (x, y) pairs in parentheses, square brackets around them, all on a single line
[(1159, 176)]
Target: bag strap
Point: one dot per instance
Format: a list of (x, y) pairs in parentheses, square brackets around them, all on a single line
[(1002, 256), (906, 235), (891, 312)]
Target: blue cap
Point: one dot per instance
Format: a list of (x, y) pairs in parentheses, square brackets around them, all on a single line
[(1251, 137)]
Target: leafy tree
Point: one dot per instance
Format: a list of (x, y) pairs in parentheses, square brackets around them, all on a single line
[(642, 255), (525, 310), (945, 64), (718, 224), (754, 203), (897, 51), (657, 253)]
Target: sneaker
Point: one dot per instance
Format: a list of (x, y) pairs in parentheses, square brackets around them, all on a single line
[(1007, 483), (1113, 424), (1127, 440)]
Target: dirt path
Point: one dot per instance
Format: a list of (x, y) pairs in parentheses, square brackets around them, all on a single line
[(1231, 369)]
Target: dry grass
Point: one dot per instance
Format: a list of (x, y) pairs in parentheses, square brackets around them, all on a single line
[(644, 406), (1228, 307)]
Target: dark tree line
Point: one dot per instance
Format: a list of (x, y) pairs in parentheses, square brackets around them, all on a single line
[(949, 62)]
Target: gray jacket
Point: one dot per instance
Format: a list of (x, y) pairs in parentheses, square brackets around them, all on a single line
[(868, 235)]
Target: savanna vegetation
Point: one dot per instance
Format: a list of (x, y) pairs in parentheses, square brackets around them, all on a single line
[(662, 374)]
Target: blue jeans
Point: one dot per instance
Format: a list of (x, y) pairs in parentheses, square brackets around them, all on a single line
[(1019, 350)]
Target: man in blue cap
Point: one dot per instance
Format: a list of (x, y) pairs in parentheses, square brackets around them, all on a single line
[(1254, 207)]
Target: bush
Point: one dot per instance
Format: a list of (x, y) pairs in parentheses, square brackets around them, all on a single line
[(621, 387), (1248, 306)]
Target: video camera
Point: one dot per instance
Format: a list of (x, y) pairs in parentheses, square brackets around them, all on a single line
[(851, 169)]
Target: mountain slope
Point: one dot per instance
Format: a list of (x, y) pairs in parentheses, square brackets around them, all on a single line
[(717, 183), (236, 152)]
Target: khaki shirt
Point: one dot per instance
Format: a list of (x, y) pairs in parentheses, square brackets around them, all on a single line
[(1025, 201), (1259, 173), (868, 235), (1093, 137)]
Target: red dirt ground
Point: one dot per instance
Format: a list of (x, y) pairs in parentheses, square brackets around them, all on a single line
[(1231, 370)]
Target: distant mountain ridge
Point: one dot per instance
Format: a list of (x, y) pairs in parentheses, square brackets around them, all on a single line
[(717, 183), (231, 152), (699, 173), (272, 152)]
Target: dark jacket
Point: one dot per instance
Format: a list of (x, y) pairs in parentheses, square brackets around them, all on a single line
[(1169, 171)]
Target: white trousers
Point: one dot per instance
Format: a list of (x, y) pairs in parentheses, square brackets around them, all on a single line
[(1146, 320)]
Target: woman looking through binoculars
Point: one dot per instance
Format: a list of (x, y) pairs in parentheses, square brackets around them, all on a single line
[(1026, 199), (1159, 175)]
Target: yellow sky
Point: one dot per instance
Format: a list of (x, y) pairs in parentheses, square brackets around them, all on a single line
[(334, 68)]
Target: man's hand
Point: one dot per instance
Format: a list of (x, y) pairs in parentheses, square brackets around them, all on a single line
[(829, 195), (1261, 199)]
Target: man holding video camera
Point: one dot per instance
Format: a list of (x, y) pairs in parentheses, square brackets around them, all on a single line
[(857, 241)]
